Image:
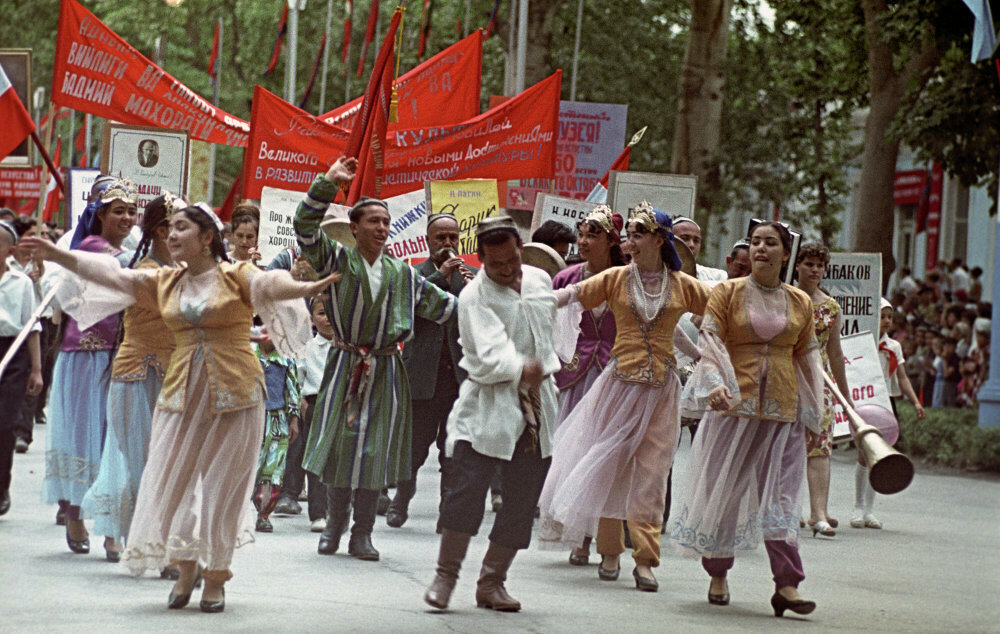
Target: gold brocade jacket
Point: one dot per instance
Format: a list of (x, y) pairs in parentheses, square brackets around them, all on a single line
[(219, 332), (643, 352), (147, 344), (764, 369)]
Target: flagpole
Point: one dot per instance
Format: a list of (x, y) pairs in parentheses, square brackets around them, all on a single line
[(293, 45), (326, 57), (522, 45), (576, 50), (511, 50), (86, 139), (215, 102), (44, 150), (468, 17)]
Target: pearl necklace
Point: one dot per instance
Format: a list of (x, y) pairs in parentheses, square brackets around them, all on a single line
[(649, 303)]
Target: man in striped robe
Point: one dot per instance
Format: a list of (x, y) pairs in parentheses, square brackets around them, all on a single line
[(360, 435)]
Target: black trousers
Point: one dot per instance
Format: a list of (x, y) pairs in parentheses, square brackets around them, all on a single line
[(12, 387), (33, 407), (430, 422), (295, 476), (470, 475)]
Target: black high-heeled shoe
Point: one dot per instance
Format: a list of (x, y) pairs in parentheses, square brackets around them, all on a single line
[(799, 606), (718, 599), (644, 584), (608, 575), (214, 606), (79, 546), (178, 601)]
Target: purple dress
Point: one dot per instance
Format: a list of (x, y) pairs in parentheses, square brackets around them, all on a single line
[(593, 347)]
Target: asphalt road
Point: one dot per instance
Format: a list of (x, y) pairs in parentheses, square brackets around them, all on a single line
[(933, 568)]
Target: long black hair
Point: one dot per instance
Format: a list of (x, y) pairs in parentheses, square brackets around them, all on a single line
[(786, 242), (154, 217), (201, 218), (617, 255)]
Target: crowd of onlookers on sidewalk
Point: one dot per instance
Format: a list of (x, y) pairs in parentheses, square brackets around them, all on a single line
[(944, 328)]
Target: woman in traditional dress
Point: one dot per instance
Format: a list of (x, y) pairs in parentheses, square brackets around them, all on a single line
[(79, 393), (613, 451), (194, 499), (759, 380), (599, 241), (810, 267), (136, 377)]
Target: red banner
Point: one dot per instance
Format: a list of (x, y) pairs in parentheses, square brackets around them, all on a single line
[(517, 139), (98, 72), (442, 90), (24, 182), (908, 186)]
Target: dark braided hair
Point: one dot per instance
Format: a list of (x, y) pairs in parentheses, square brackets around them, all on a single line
[(153, 218), (205, 223)]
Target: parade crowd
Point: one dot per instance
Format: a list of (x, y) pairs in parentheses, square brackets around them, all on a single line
[(190, 391)]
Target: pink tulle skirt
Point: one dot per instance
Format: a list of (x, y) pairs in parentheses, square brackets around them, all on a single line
[(610, 459), (194, 498), (571, 396), (744, 479)]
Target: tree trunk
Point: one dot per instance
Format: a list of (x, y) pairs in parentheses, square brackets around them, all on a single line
[(699, 111), (538, 57), (873, 224)]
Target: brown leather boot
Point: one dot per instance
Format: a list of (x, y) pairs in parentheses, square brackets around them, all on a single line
[(453, 548), (490, 592)]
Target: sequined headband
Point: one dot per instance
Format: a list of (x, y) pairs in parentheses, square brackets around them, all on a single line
[(120, 189), (205, 209), (607, 220), (646, 216)]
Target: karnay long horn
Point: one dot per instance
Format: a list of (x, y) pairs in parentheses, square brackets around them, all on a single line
[(888, 470)]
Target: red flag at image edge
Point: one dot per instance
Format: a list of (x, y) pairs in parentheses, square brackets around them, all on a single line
[(17, 124)]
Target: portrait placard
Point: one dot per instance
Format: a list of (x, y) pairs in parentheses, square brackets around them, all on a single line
[(155, 160), (670, 193), (16, 64)]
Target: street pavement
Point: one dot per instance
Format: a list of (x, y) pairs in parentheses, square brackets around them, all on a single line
[(933, 568)]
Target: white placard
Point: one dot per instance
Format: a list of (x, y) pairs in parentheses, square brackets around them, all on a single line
[(864, 378), (566, 211), (81, 180), (408, 229), (155, 160), (855, 281), (673, 194), (277, 210)]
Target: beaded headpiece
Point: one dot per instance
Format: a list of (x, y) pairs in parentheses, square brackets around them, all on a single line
[(173, 204), (609, 222), (119, 189), (658, 222)]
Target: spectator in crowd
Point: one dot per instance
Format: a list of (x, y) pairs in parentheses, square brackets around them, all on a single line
[(975, 286), (556, 235)]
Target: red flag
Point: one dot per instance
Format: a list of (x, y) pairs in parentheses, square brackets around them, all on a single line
[(282, 28), (17, 123), (620, 165), (924, 205), (425, 28), (367, 141), (53, 193), (213, 58), (225, 211), (81, 145), (491, 26), (312, 76), (369, 36), (347, 32)]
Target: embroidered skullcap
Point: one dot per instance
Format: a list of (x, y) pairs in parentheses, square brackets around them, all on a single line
[(365, 200), (431, 219), (9, 228), (679, 219), (495, 223), (119, 189), (206, 209)]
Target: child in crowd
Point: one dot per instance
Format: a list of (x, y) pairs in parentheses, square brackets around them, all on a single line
[(893, 364), (951, 372), (310, 371), (280, 426)]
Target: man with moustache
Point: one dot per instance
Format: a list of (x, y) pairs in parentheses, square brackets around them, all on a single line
[(431, 359)]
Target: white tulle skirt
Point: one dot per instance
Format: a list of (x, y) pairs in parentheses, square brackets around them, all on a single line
[(570, 397), (194, 499), (744, 479), (610, 459)]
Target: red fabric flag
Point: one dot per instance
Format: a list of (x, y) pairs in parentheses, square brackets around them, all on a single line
[(282, 28), (620, 165), (225, 211), (213, 58), (14, 119), (312, 76), (81, 145), (347, 32), (367, 141), (425, 28), (491, 26), (369, 36), (53, 193)]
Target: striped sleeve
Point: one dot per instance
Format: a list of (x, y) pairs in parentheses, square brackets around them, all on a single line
[(322, 253)]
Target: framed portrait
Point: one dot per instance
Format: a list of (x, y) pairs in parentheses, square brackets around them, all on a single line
[(670, 193), (155, 160), (17, 65)]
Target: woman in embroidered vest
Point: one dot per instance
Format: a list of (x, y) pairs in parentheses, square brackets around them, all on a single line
[(136, 377), (810, 266), (599, 241), (79, 391), (193, 504), (613, 451), (759, 380)]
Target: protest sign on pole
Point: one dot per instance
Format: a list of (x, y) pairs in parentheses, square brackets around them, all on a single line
[(469, 201), (864, 378), (591, 136), (443, 90), (276, 233), (98, 72), (288, 146), (670, 193), (79, 183), (408, 227), (566, 211), (854, 280), (155, 160)]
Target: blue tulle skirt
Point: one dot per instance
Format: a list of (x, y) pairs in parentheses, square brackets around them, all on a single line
[(77, 406), (111, 499)]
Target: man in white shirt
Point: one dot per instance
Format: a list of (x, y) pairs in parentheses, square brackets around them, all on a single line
[(504, 414)]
